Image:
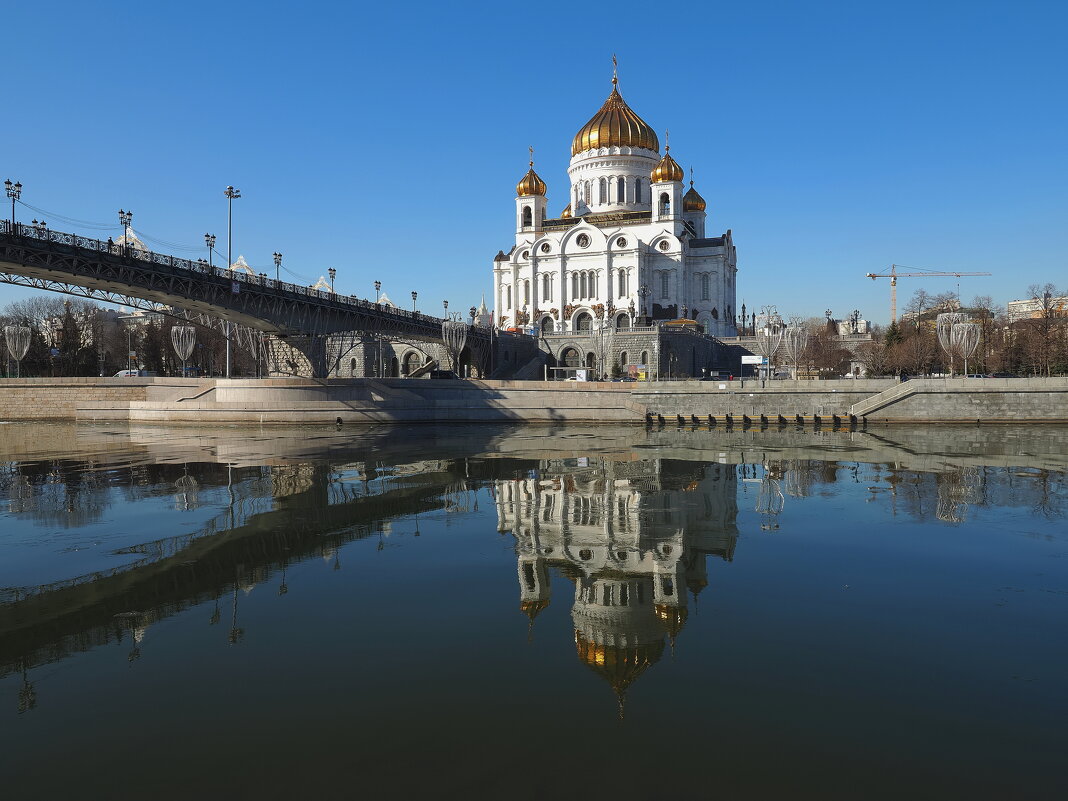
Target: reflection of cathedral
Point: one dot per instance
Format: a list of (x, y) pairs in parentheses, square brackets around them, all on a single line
[(632, 537)]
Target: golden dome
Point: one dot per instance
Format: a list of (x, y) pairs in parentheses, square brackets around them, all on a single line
[(532, 608), (667, 170), (692, 200), (615, 125), (530, 184), (619, 666), (673, 617), (566, 213)]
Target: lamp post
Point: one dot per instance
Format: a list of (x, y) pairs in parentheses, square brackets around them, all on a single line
[(414, 296), (643, 293), (14, 191), (125, 218), (277, 266), (333, 275), (378, 289), (231, 195), (445, 303), (472, 310), (209, 240)]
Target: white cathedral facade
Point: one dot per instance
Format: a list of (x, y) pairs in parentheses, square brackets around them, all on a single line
[(630, 245)]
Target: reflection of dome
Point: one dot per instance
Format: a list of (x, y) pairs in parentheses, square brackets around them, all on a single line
[(615, 125), (618, 665), (532, 608), (695, 585), (692, 200), (530, 184), (666, 170), (673, 617)]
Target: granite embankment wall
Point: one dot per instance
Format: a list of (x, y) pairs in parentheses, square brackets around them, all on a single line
[(288, 401)]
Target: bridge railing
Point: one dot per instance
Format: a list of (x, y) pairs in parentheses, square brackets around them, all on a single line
[(201, 267)]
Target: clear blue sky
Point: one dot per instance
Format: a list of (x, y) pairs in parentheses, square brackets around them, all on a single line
[(386, 139)]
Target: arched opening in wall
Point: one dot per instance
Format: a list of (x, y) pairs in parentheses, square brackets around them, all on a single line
[(637, 190), (583, 321), (622, 321), (352, 367), (621, 191), (591, 360), (570, 358), (411, 363), (623, 360), (645, 357), (546, 324), (665, 204), (546, 291), (507, 297), (584, 288), (586, 196), (574, 286), (526, 293), (602, 191), (528, 217), (622, 276)]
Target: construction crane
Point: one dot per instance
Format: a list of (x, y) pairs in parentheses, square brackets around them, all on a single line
[(893, 275)]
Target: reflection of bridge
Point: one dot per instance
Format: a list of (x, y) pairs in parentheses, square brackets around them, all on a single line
[(62, 262)]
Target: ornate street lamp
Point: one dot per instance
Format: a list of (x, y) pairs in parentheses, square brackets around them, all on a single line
[(414, 296), (209, 240), (14, 191), (277, 266), (473, 311), (125, 218), (445, 303), (643, 293), (333, 275), (231, 195), (378, 288)]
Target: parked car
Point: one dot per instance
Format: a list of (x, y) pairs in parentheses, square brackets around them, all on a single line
[(978, 375), (136, 374), (449, 374)]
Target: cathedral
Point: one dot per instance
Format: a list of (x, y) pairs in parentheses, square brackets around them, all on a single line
[(629, 248)]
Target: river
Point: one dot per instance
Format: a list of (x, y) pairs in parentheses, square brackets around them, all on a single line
[(531, 613)]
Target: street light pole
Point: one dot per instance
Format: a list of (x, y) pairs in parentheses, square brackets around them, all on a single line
[(333, 275), (378, 287), (445, 303), (277, 266), (414, 296), (125, 218), (209, 240), (231, 194), (14, 191)]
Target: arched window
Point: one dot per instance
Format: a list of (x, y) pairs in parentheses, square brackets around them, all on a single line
[(547, 324), (706, 286), (602, 191), (623, 321), (584, 283), (623, 359), (645, 357), (587, 196), (528, 217), (526, 293), (508, 297), (583, 322), (637, 190), (663, 285), (622, 283), (665, 205), (574, 286), (546, 290), (352, 367), (621, 191), (715, 313)]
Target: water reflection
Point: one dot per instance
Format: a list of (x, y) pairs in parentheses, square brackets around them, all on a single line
[(632, 537), (629, 518)]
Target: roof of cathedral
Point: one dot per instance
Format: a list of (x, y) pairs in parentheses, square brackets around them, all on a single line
[(692, 200), (667, 169), (530, 184), (615, 125)]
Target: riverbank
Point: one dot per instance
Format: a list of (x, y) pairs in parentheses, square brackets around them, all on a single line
[(395, 400)]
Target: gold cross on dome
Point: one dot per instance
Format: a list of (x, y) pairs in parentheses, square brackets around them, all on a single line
[(531, 149)]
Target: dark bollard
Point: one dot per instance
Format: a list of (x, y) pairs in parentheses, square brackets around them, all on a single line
[(681, 419), (729, 420), (694, 420)]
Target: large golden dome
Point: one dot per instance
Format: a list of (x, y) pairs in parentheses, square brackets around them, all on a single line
[(530, 184), (618, 665), (615, 125), (692, 200), (667, 169)]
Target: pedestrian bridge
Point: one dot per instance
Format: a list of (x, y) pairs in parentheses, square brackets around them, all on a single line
[(56, 261)]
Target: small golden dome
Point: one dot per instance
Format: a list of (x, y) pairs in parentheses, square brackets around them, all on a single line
[(673, 617), (618, 665), (615, 125), (667, 170), (530, 184), (692, 200), (566, 213), (532, 608)]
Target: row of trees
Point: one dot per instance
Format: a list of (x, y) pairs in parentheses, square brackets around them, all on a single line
[(1037, 345), (72, 337)]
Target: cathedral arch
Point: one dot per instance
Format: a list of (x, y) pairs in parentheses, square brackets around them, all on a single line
[(574, 285), (547, 324), (528, 217), (583, 321), (546, 287), (602, 191), (665, 204), (637, 190), (570, 357), (622, 321), (526, 292)]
